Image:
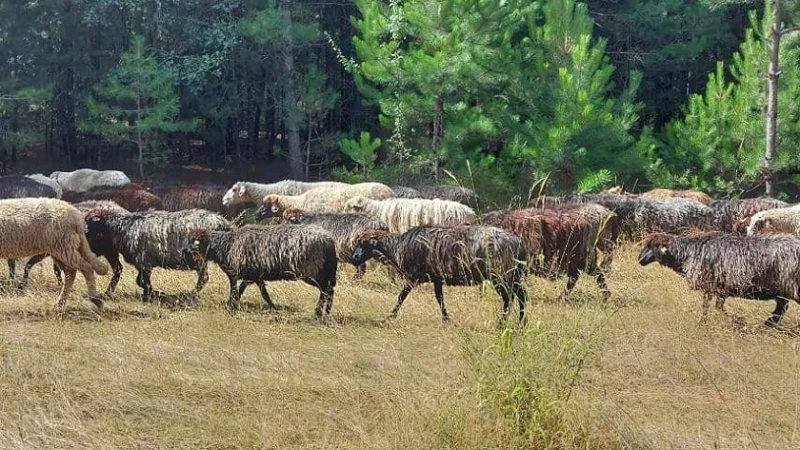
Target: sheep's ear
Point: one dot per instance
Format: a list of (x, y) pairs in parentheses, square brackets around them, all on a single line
[(242, 190), (663, 250), (95, 219), (196, 242)]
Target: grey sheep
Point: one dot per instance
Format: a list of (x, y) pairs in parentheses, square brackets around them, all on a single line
[(152, 239), (345, 229), (33, 226), (727, 265), (458, 194), (456, 256), (406, 192), (733, 216), (256, 254)]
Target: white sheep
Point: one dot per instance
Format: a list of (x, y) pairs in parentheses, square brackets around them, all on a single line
[(35, 226), (403, 214), (47, 181), (82, 180), (778, 220), (246, 192), (326, 200)]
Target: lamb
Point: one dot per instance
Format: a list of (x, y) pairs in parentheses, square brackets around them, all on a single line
[(779, 220), (326, 200), (201, 196), (16, 186), (33, 226), (153, 239), (82, 180), (101, 247), (255, 254), (132, 197), (725, 265), (701, 197), (733, 216), (402, 214), (345, 229), (458, 194), (253, 193), (47, 181), (457, 256)]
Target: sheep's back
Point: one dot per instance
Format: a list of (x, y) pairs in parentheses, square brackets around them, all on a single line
[(30, 226)]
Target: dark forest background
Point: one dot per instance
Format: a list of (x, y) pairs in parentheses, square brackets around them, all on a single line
[(499, 95)]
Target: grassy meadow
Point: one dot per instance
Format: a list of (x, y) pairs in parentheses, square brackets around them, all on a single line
[(637, 371)]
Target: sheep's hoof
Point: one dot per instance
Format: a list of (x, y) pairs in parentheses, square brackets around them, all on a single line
[(771, 323), (97, 302)]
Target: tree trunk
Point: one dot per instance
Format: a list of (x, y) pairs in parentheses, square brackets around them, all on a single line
[(438, 133), (772, 99), (63, 100), (290, 93)]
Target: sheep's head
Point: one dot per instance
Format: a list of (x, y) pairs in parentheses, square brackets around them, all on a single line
[(96, 224), (194, 247), (355, 204), (759, 224), (616, 190), (234, 195), (657, 249), (367, 246), (271, 206), (293, 215)]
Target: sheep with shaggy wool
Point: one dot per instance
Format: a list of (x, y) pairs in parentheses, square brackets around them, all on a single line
[(244, 192), (177, 197), (325, 200), (344, 228), (100, 247), (701, 197), (34, 226), (457, 256), (256, 254), (82, 180), (671, 215), (406, 192), (17, 186), (132, 197), (403, 214), (47, 181), (524, 224), (459, 194), (778, 220), (733, 216), (153, 239), (725, 265)]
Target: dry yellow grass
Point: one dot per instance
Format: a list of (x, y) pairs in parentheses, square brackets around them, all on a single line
[(143, 376)]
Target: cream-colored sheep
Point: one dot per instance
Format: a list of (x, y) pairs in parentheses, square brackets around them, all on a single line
[(327, 200), (246, 192), (778, 220), (402, 214), (35, 226), (82, 180), (47, 181)]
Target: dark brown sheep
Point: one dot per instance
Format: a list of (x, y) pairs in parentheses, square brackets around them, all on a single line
[(177, 197), (727, 265), (734, 216), (256, 254), (463, 255), (132, 197)]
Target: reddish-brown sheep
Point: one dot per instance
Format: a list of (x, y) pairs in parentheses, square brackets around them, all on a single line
[(132, 197)]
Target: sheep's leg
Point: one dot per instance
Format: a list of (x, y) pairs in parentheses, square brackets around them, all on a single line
[(12, 268), (242, 286), (57, 273), (360, 271), (262, 286), (439, 292), (327, 294), (522, 300), (69, 279), (27, 272), (116, 267), (573, 274), (400, 299), (704, 309), (600, 278), (781, 306), (202, 278), (143, 280), (720, 304), (91, 288), (233, 299), (503, 291)]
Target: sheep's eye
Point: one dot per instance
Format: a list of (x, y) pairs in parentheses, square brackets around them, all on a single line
[(196, 242), (663, 250), (274, 208), (373, 242)]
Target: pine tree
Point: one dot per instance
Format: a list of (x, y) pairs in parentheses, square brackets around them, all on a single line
[(135, 102)]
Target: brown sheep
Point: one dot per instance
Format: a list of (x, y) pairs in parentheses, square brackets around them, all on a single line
[(132, 197), (178, 197), (35, 226)]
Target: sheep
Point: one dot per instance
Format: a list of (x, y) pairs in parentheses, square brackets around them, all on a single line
[(463, 255), (458, 194), (326, 200), (82, 180), (33, 226), (256, 254), (153, 239), (345, 229), (16, 186), (701, 197), (132, 197), (524, 224), (778, 220), (253, 193), (402, 214), (201, 196), (733, 216), (47, 181), (406, 192), (101, 247), (725, 265)]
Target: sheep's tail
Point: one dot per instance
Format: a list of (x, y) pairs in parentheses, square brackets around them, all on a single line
[(98, 266)]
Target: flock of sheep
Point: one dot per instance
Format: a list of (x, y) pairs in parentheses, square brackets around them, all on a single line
[(739, 248)]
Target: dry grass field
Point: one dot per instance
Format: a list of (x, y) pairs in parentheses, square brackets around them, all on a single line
[(637, 371)]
